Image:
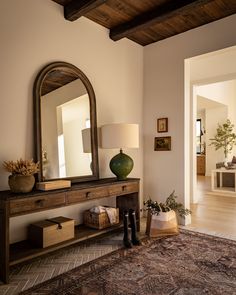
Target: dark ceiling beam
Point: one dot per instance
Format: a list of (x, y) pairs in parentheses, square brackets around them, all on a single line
[(77, 8), (155, 16)]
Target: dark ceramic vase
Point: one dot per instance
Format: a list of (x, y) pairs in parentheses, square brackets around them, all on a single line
[(21, 183), (121, 165)]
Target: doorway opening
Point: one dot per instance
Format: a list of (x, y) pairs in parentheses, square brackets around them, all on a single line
[(210, 99)]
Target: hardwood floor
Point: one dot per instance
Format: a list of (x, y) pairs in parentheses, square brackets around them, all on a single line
[(214, 214)]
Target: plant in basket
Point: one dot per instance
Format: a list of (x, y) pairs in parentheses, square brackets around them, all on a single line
[(161, 219), (22, 172)]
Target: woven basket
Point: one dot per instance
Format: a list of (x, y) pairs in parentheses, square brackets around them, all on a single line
[(98, 220)]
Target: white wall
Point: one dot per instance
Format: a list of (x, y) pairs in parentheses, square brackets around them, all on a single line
[(216, 66), (221, 92), (164, 96), (35, 33)]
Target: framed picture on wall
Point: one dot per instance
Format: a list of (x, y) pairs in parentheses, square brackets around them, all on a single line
[(162, 125), (162, 143)]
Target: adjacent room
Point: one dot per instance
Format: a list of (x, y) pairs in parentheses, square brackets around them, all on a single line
[(214, 204), (112, 177), (212, 165)]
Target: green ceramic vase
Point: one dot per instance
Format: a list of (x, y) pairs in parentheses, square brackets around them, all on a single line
[(121, 165)]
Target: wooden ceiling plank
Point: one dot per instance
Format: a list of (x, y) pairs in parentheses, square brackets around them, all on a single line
[(155, 16), (77, 8)]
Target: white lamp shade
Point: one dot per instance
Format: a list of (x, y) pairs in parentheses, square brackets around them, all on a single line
[(86, 138), (120, 136)]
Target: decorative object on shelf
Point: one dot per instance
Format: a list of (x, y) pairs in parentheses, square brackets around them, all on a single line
[(101, 217), (22, 172), (225, 138), (120, 136), (161, 219), (203, 148), (162, 125), (51, 231), (162, 143), (51, 185)]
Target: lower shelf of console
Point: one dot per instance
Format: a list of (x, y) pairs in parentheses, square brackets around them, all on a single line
[(23, 251)]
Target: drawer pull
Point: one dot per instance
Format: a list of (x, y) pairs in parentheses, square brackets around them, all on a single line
[(88, 194), (123, 187), (39, 202)]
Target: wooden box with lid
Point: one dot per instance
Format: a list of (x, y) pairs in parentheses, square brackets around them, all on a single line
[(51, 231)]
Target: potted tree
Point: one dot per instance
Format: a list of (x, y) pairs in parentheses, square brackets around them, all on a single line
[(22, 172), (224, 139)]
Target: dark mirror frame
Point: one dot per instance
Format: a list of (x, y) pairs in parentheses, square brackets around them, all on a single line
[(93, 119)]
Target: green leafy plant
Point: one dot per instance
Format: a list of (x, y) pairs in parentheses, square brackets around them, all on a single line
[(170, 204), (225, 138), (21, 167)]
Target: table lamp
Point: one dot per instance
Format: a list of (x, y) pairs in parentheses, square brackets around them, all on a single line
[(86, 139), (120, 136)]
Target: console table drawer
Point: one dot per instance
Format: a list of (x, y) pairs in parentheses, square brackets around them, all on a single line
[(120, 189), (86, 194), (39, 203)]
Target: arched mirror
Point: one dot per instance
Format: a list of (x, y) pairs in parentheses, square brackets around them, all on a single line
[(65, 124)]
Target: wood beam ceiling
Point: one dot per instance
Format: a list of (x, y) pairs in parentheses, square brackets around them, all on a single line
[(155, 16), (148, 21), (75, 9)]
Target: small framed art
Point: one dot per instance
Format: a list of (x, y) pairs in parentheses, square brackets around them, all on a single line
[(162, 143), (162, 125)]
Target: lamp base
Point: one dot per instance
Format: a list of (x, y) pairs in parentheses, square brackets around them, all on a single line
[(121, 165)]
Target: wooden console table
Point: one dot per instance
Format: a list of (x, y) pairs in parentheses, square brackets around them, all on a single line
[(126, 193)]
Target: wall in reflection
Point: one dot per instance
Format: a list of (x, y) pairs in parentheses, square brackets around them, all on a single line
[(65, 112)]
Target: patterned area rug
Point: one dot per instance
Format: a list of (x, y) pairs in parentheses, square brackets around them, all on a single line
[(190, 263)]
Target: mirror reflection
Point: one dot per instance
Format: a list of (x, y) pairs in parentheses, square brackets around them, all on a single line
[(65, 125)]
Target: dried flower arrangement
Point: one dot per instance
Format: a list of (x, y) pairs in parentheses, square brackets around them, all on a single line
[(170, 204), (21, 167)]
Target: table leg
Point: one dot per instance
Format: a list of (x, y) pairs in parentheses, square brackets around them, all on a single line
[(221, 179), (212, 180), (4, 242), (235, 182), (129, 201)]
